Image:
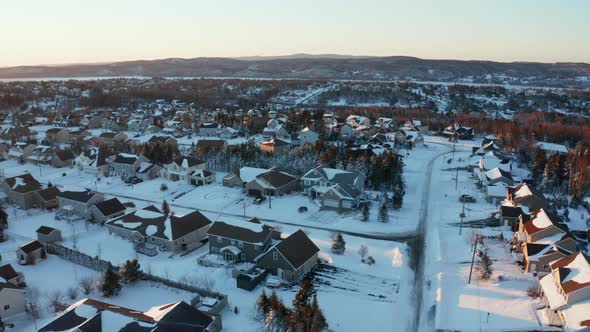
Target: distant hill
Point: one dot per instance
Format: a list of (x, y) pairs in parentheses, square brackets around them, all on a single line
[(302, 56), (304, 66)]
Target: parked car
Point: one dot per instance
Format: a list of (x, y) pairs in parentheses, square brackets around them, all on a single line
[(466, 199), (274, 282), (258, 200), (136, 180)]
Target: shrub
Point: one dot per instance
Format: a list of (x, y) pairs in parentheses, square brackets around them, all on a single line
[(163, 187)]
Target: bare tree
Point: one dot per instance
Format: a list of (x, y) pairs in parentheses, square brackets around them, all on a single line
[(72, 293), (363, 251), (86, 285), (55, 298)]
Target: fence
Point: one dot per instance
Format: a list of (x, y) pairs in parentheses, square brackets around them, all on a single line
[(249, 282), (79, 258)]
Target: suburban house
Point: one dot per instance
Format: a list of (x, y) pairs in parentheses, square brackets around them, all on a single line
[(210, 129), (274, 145), (33, 250), (148, 171), (273, 183), (96, 316), (510, 216), (126, 165), (181, 167), (42, 154), (335, 188), (496, 176), (46, 234), (307, 136), (47, 198), (75, 205), (526, 196), (9, 275), (20, 151), (105, 210), (457, 131), (57, 136), (538, 256), (93, 161), (275, 129), (566, 291), (149, 226), (541, 225), (551, 148), (245, 175), (238, 240), (292, 258), (12, 300), (62, 158), (111, 137), (490, 146), (211, 144), (21, 190), (408, 138)]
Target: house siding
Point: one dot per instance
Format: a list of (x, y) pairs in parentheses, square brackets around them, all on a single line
[(249, 249), (15, 298)]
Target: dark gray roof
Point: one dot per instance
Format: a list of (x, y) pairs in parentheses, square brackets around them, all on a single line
[(31, 246), (79, 196), (277, 179), (49, 193), (7, 272), (124, 159), (27, 183), (45, 230), (65, 155), (510, 211), (227, 230), (110, 206), (191, 161), (297, 248)]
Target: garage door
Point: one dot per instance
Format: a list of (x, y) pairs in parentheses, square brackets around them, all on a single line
[(254, 192), (331, 203)]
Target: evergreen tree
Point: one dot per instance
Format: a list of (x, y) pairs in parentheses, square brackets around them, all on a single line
[(302, 298), (539, 162), (338, 244), (383, 213), (110, 282), (274, 322), (318, 321), (165, 207), (3, 218), (366, 213), (551, 172), (484, 269), (130, 271), (262, 306)]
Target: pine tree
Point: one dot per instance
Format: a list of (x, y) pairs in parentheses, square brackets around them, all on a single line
[(274, 322), (383, 213), (3, 218), (262, 306), (165, 207), (484, 269), (366, 213), (338, 244), (551, 172), (318, 321), (302, 297), (110, 282), (539, 161), (130, 271)]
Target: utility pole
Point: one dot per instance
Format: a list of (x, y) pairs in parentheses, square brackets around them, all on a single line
[(462, 215), (269, 199), (457, 179), (244, 208), (473, 257)]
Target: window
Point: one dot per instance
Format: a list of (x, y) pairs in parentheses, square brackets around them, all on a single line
[(240, 244), (219, 239), (256, 247), (275, 255), (546, 266), (233, 242), (6, 307), (242, 256)]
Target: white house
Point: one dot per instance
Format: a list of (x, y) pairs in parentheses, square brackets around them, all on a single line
[(307, 136)]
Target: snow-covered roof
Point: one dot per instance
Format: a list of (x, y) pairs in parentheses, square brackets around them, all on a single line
[(552, 147), (577, 316), (248, 174)]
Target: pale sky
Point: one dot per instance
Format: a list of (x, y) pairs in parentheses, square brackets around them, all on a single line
[(75, 31)]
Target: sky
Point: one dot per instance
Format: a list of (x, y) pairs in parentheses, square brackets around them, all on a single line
[(74, 31)]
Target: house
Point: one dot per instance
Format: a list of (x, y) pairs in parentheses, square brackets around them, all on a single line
[(274, 145), (273, 183), (238, 240), (181, 167), (46, 234), (21, 151), (148, 171), (457, 131), (47, 198), (110, 137), (228, 133), (126, 165), (93, 161), (510, 216), (199, 177), (275, 129), (10, 276), (164, 140), (62, 158), (42, 154), (210, 129), (21, 190), (551, 148), (566, 292), (490, 146), (408, 138), (12, 300), (56, 136), (30, 252), (17, 134), (105, 210), (384, 123), (149, 226), (96, 316), (543, 226), (335, 188), (292, 258), (526, 196), (496, 176), (538, 256), (495, 194), (74, 205), (245, 175), (307, 136), (211, 144)]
